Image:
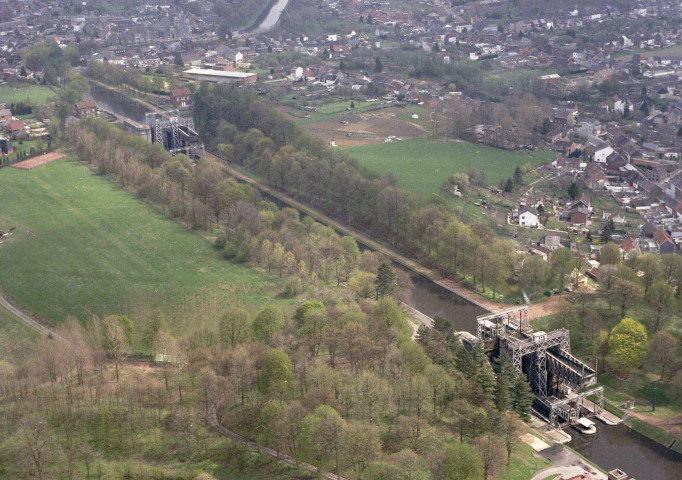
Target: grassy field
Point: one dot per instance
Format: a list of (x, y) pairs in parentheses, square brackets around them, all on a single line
[(83, 246), (36, 93), (24, 147), (422, 165), (16, 337), (331, 111)]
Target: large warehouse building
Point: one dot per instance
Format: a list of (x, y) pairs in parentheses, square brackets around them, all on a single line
[(220, 76)]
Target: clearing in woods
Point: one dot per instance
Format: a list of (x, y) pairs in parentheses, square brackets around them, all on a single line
[(422, 165), (83, 246)]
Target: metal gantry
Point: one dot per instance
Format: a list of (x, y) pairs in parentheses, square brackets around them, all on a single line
[(175, 134), (543, 354)]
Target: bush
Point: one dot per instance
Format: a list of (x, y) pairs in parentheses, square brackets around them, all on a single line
[(220, 242)]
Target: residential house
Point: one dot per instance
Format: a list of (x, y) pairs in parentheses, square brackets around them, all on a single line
[(181, 97), (630, 247), (664, 242), (15, 127), (601, 154), (84, 109), (5, 115), (658, 174), (551, 242), (6, 146), (528, 217)]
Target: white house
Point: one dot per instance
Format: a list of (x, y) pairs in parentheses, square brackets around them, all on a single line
[(528, 217), (602, 154)]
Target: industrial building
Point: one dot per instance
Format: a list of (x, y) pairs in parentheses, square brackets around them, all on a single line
[(219, 76)]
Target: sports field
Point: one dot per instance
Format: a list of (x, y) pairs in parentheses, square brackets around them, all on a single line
[(422, 165), (83, 246), (36, 93)]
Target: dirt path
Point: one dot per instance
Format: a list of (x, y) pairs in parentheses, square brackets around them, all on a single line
[(39, 160), (535, 310), (213, 423), (25, 318), (672, 425)]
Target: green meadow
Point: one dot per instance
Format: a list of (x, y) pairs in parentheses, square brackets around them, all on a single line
[(36, 93), (83, 246), (422, 165)]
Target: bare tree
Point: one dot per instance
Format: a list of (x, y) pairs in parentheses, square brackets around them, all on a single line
[(36, 447), (116, 341)]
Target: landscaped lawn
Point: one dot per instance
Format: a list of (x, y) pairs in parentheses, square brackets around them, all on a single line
[(422, 165), (36, 93), (83, 246)]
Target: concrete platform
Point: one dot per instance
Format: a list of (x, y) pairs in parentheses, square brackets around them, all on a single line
[(534, 442), (606, 417), (558, 436)]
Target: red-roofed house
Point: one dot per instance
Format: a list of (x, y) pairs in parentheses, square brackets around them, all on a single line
[(629, 245), (181, 97), (84, 109), (664, 242), (13, 127)]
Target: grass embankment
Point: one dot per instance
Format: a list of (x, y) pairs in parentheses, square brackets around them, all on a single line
[(83, 246), (422, 165), (35, 93), (523, 464), (16, 337)]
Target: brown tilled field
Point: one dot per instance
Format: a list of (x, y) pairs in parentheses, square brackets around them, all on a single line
[(40, 160), (365, 128)]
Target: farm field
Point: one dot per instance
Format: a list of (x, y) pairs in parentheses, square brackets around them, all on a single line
[(82, 246), (36, 93), (422, 165)]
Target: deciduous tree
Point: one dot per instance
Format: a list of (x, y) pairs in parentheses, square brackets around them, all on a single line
[(628, 344)]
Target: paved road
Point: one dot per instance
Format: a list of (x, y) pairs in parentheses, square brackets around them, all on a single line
[(566, 463), (25, 318)]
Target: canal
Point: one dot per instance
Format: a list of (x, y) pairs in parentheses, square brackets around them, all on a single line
[(118, 103), (621, 447), (610, 447)]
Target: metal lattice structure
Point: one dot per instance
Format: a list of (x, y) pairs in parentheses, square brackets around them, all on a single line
[(175, 134), (543, 356), (570, 409)]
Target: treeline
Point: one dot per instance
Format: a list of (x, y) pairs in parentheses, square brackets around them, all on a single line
[(118, 77), (302, 251), (255, 135)]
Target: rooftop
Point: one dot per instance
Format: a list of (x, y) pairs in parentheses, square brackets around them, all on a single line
[(218, 73)]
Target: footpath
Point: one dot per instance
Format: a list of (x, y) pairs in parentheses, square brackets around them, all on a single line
[(215, 425)]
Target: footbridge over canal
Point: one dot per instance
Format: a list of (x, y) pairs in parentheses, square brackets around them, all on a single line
[(559, 380)]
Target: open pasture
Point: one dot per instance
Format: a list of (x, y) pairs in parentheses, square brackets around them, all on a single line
[(82, 246), (422, 165)]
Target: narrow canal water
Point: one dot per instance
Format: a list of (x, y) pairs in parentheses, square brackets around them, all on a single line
[(432, 300), (620, 447), (118, 103), (610, 447)]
